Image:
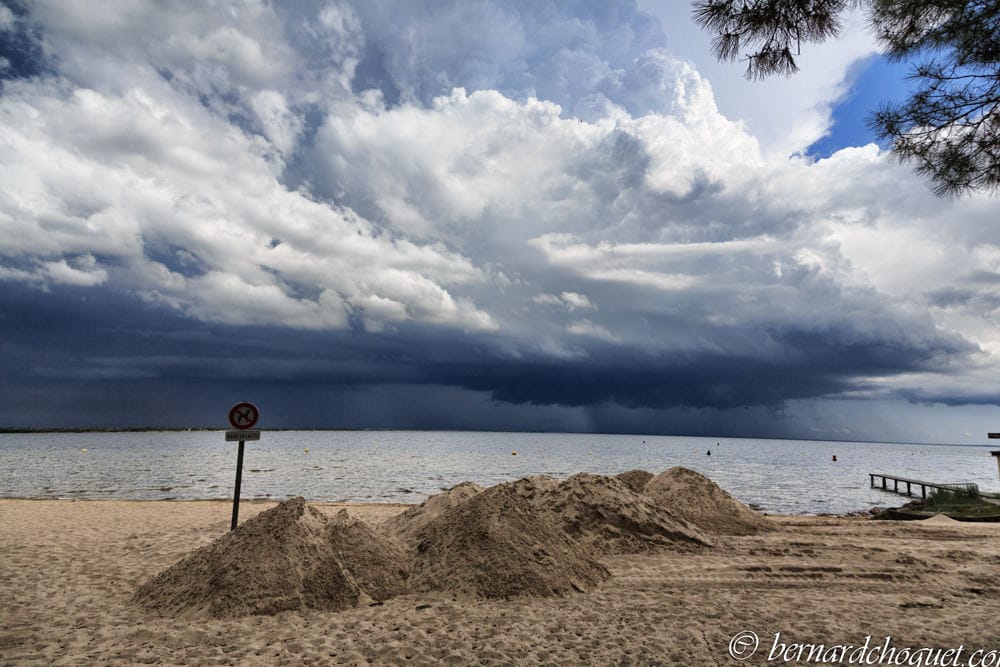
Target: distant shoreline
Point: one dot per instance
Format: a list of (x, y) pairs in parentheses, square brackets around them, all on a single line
[(159, 429), (22, 430)]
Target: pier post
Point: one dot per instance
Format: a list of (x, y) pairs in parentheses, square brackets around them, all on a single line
[(995, 453)]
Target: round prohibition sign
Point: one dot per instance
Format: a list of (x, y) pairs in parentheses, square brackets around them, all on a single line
[(243, 415)]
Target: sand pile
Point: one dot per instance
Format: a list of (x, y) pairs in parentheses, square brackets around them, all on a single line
[(635, 479), (700, 501), (534, 537), (376, 568), (405, 526), (497, 545), (289, 557), (611, 518), (534, 488)]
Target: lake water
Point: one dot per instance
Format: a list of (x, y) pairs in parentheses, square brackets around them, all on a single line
[(779, 476)]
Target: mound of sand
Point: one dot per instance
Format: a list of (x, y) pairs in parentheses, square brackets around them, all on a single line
[(405, 526), (635, 479), (700, 501), (534, 488), (289, 557), (375, 566), (534, 537), (940, 519), (607, 515), (497, 545)]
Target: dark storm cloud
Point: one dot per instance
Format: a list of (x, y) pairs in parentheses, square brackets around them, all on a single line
[(21, 52), (94, 356), (811, 365)]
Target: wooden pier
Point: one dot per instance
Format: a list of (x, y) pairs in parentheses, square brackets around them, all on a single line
[(910, 483)]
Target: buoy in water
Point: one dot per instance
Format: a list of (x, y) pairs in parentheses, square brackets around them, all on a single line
[(307, 450), (834, 457), (513, 453), (708, 453), (83, 449)]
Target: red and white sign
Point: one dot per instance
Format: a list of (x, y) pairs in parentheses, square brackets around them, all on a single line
[(243, 415)]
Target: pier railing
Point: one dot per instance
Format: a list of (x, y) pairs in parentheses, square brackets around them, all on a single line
[(971, 489)]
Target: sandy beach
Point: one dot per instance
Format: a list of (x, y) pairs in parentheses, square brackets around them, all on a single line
[(69, 570)]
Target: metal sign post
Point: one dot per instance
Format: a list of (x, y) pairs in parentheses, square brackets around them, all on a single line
[(236, 490), (242, 417)]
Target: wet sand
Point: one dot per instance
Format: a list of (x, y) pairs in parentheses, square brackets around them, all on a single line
[(69, 568)]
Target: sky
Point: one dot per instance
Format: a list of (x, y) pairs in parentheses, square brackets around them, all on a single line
[(504, 215)]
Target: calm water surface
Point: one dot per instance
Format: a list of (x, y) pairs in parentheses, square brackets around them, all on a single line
[(780, 476)]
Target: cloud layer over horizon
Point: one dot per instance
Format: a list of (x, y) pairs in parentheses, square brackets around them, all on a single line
[(536, 203)]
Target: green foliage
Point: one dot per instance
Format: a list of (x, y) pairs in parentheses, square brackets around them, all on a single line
[(961, 496), (949, 128), (775, 28)]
